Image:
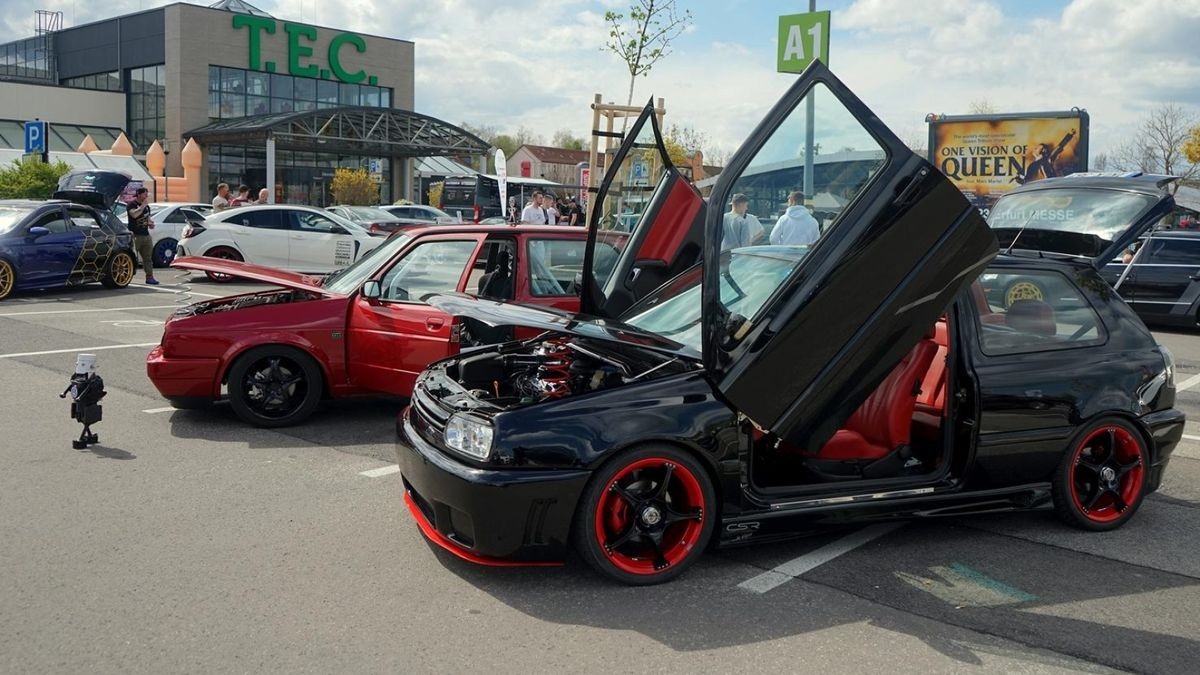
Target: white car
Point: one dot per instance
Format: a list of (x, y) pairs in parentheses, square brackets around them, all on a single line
[(293, 238), (420, 214), (169, 220)]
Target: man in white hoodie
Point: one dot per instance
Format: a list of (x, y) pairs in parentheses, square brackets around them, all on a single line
[(796, 225)]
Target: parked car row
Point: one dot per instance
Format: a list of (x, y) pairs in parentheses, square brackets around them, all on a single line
[(641, 395)]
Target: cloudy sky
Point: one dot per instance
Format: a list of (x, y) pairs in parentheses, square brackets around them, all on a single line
[(537, 63)]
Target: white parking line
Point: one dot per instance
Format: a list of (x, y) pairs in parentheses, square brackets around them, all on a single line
[(83, 350), (814, 559), (1188, 383), (154, 411), (177, 291), (1191, 437), (81, 311), (381, 471)]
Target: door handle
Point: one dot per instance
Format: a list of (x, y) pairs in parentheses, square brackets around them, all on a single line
[(434, 322), (1195, 277)]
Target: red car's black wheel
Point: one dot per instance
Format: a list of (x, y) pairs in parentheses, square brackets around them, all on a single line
[(1101, 481), (646, 516), (274, 386), (224, 253)]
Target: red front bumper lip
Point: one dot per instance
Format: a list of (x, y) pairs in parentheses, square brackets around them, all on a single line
[(449, 546)]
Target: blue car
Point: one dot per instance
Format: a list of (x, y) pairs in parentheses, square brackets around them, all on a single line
[(70, 240)]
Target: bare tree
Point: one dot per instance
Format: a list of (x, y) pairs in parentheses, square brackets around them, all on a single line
[(643, 37), (1100, 162), (1159, 145), (981, 106)]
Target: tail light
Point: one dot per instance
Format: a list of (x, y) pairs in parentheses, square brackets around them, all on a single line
[(478, 213), (192, 230), (376, 227)]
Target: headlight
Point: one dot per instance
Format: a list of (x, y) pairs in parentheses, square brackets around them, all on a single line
[(1169, 365), (469, 436)]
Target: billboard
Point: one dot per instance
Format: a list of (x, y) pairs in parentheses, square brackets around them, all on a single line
[(988, 155)]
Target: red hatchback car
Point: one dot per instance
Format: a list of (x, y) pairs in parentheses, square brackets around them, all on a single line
[(359, 331)]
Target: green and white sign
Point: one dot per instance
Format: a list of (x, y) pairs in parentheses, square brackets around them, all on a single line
[(803, 38), (300, 39)]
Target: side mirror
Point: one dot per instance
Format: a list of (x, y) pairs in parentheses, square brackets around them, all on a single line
[(38, 231), (372, 290)]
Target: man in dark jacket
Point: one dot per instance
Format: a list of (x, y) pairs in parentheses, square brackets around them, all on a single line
[(140, 225)]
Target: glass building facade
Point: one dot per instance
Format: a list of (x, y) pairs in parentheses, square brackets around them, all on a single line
[(146, 106), (99, 81), (29, 59), (301, 177)]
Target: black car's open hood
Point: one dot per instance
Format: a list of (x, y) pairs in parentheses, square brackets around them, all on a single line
[(495, 313), (93, 187)]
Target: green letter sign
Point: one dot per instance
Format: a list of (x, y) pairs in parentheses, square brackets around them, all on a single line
[(803, 38), (300, 39), (255, 24), (335, 61), (296, 31)]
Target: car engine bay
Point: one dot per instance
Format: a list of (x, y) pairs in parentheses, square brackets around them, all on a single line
[(280, 297)]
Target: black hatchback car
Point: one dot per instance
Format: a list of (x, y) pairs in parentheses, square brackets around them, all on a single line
[(867, 372)]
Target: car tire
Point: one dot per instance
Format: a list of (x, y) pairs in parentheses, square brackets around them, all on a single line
[(164, 252), (224, 253), (1022, 288), (119, 270), (1102, 478), (274, 386), (8, 278), (676, 512)]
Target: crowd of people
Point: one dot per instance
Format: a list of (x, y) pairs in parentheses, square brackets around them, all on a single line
[(796, 226), (546, 209), (223, 201)]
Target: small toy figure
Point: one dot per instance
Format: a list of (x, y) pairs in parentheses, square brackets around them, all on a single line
[(86, 390)]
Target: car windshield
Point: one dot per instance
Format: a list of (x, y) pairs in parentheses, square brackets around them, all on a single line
[(11, 215), (748, 278), (1075, 221), (367, 214), (347, 280), (433, 212), (350, 225)]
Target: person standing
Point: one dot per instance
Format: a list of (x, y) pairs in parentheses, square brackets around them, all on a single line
[(262, 196), (242, 198), (536, 213), (221, 201), (796, 225), (548, 204), (140, 224), (575, 213), (741, 228)]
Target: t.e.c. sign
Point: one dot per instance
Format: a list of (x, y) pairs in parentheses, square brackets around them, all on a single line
[(300, 39), (803, 38)]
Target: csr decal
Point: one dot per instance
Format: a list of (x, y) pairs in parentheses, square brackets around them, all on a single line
[(300, 39)]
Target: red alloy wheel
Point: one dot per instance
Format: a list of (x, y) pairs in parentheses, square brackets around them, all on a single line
[(1106, 474), (222, 253), (650, 516)]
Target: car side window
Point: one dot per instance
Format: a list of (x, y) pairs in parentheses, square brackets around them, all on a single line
[(176, 216), (191, 215), (1170, 251), (303, 221), (554, 264), (82, 218), (432, 267), (267, 219), (53, 222), (1023, 311)]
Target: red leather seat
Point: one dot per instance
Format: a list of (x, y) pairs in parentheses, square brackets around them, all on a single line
[(884, 421), (931, 400)]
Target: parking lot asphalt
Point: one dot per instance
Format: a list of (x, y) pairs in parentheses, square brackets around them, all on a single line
[(188, 541)]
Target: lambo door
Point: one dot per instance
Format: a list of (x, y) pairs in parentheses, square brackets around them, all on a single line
[(394, 337), (647, 224), (883, 244)]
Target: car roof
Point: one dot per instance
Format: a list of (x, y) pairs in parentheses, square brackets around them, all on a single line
[(1151, 184), (471, 228), (35, 203)]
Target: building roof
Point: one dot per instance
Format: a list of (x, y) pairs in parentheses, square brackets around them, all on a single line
[(549, 155), (93, 160), (442, 166), (62, 137), (239, 7)]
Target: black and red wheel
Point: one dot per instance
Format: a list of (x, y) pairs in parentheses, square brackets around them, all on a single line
[(224, 253), (646, 516), (1102, 479)]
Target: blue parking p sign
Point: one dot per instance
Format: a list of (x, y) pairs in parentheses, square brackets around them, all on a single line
[(35, 138)]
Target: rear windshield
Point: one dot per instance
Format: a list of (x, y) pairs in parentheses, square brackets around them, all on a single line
[(1076, 221)]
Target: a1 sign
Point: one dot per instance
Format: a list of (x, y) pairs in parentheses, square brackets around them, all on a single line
[(35, 138), (803, 38)]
